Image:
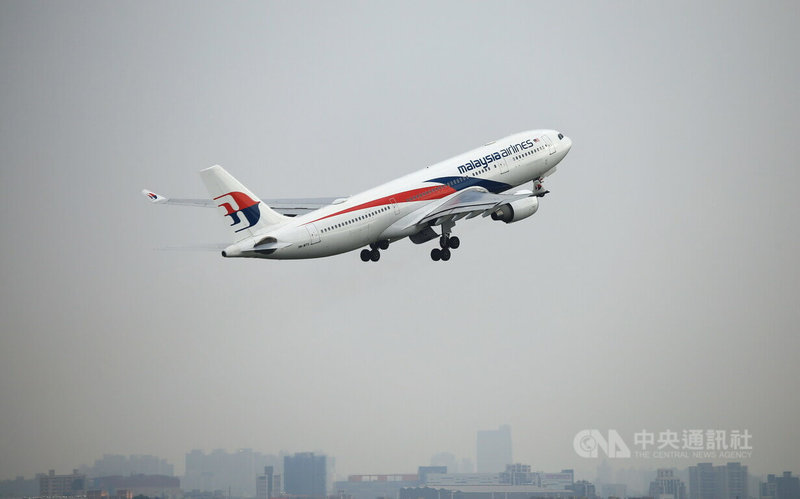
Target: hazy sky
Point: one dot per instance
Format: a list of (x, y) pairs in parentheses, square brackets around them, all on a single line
[(656, 288)]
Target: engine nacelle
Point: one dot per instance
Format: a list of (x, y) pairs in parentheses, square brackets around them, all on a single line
[(516, 210)]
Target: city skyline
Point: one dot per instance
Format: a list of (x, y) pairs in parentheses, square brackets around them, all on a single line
[(306, 472), (602, 471)]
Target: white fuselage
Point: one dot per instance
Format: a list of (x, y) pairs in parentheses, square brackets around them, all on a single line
[(378, 213)]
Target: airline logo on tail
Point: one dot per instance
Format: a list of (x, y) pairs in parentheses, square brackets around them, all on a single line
[(245, 205)]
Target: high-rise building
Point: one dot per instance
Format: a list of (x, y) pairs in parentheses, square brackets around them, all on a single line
[(780, 487), (703, 482), (735, 481), (268, 485), (305, 474), (718, 482), (494, 450), (667, 485), (52, 485)]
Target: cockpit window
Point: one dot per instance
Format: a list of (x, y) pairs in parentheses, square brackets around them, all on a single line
[(560, 136)]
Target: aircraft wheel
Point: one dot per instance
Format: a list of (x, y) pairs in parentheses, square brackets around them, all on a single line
[(445, 254), (443, 241), (375, 255), (436, 254), (365, 255), (384, 244), (454, 242)]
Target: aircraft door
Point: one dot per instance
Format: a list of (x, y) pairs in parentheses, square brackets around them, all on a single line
[(503, 165), (550, 146), (313, 233), (393, 202)]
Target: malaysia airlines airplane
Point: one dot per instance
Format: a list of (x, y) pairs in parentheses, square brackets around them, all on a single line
[(463, 187)]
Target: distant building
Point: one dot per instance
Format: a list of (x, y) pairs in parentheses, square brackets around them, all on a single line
[(19, 487), (718, 482), (704, 482), (135, 464), (96, 494), (424, 471), (52, 485), (735, 481), (520, 474), (447, 460), (305, 474), (162, 486), (667, 485), (618, 490), (494, 449), (373, 486), (221, 470), (268, 485), (514, 475), (557, 481), (582, 488), (780, 487), (450, 479), (483, 492)]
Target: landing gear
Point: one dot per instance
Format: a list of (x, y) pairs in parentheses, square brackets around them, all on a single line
[(374, 251), (447, 243), (451, 242)]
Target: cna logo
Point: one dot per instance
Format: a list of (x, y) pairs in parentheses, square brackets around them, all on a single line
[(586, 443), (244, 204)]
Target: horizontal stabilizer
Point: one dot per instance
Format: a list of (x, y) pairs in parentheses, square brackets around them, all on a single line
[(290, 207), (153, 197)]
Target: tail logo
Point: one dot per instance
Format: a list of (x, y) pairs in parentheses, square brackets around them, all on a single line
[(245, 205)]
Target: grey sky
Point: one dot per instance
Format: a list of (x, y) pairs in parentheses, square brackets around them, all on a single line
[(656, 288)]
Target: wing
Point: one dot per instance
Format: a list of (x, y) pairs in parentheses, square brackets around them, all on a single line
[(468, 203), (287, 206)]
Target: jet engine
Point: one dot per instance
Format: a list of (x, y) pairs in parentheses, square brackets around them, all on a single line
[(516, 210)]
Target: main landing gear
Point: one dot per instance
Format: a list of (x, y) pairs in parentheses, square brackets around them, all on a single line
[(447, 243), (374, 253)]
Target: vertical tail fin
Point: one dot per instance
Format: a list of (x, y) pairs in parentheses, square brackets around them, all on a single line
[(248, 215)]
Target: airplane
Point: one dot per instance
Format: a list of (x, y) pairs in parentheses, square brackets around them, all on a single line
[(474, 183)]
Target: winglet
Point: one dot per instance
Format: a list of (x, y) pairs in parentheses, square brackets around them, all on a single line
[(153, 197)]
